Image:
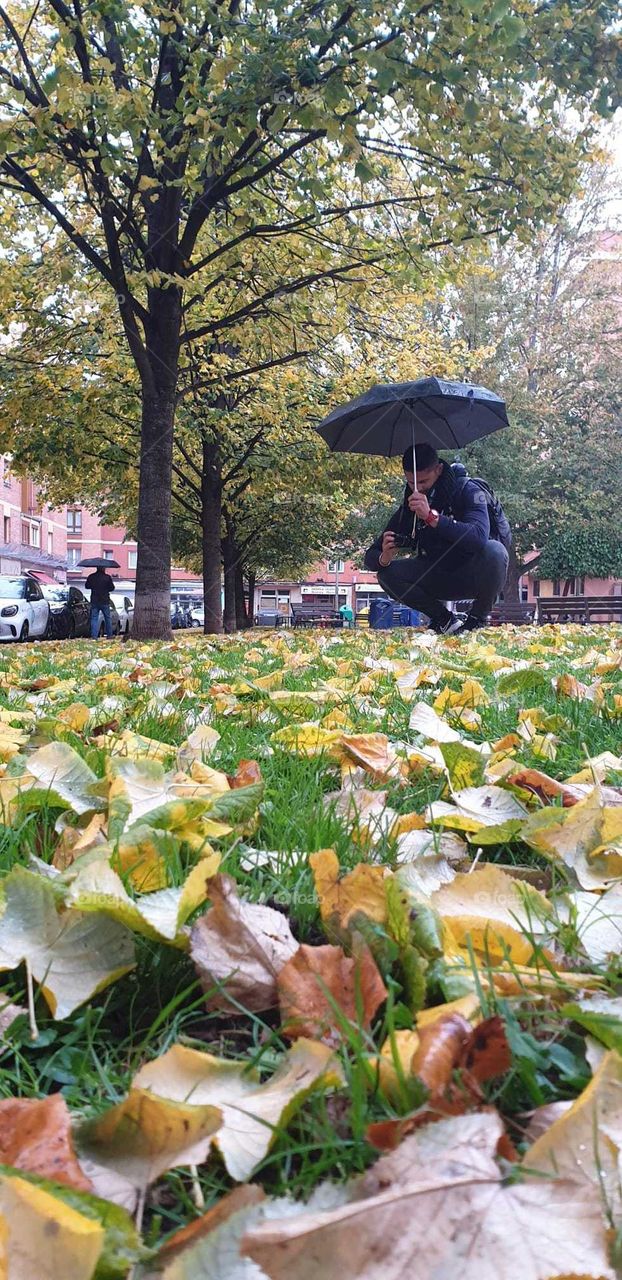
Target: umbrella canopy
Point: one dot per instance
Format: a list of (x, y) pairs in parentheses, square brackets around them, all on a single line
[(386, 420), (98, 562)]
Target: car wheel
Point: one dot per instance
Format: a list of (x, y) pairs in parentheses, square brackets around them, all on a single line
[(23, 635)]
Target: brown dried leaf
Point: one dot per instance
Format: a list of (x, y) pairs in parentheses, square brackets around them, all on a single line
[(441, 1048), (35, 1135), (241, 948), (247, 774), (351, 981)]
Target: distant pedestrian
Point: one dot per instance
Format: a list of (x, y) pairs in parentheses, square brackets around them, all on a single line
[(101, 587)]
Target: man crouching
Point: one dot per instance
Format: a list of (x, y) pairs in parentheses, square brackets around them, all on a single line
[(456, 556)]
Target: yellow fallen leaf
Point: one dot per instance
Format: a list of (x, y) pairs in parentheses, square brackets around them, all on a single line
[(45, 1238), (493, 912), (361, 890), (253, 1113)]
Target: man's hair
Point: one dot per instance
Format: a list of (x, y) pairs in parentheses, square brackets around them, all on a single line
[(426, 457)]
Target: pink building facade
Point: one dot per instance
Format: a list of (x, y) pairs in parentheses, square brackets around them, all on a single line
[(34, 536)]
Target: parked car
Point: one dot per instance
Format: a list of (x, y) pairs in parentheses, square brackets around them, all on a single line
[(197, 615), (125, 609), (70, 612), (24, 611)]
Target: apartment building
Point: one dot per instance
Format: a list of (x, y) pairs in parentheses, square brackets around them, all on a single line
[(34, 536)]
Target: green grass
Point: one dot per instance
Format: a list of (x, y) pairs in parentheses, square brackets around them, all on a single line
[(91, 1057)]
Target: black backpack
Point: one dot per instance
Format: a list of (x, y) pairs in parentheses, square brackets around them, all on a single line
[(500, 529)]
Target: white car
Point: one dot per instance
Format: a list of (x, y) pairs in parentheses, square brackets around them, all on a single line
[(125, 609), (197, 615), (24, 611)]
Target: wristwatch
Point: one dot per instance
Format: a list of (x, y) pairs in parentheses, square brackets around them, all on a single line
[(432, 518)]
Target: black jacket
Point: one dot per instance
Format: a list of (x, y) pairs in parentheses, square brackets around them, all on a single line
[(463, 529), (100, 587)]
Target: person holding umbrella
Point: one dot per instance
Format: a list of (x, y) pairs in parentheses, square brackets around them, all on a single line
[(101, 587), (445, 517), (456, 556)]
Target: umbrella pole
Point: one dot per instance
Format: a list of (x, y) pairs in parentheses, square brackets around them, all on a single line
[(414, 467)]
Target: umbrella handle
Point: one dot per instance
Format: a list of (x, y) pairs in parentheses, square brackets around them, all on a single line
[(414, 468)]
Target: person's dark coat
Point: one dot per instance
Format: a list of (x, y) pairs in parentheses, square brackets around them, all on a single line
[(100, 587), (462, 531)]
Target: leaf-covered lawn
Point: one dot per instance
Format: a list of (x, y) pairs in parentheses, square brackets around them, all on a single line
[(273, 905)]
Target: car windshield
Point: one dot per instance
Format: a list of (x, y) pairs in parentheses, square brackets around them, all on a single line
[(56, 593), (12, 589)]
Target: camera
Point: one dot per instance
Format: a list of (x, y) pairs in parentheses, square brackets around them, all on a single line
[(402, 540)]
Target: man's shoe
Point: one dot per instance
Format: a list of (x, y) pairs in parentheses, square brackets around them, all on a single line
[(452, 625), (472, 623)]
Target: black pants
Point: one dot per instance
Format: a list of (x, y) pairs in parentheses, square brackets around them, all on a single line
[(424, 584)]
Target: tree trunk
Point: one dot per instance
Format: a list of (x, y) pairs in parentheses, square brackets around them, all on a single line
[(252, 577), (211, 518), (229, 558), (511, 590), (152, 609), (241, 615)]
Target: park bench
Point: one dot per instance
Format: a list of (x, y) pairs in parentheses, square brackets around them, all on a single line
[(315, 615), (519, 614), (582, 609)]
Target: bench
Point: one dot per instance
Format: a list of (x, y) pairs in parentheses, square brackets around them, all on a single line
[(581, 609), (315, 615), (519, 614)]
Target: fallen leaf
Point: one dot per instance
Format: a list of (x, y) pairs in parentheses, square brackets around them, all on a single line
[(252, 1114), (318, 978), (496, 914), (444, 1187), (73, 955), (46, 1238), (247, 774), (361, 890), (144, 1136), (585, 1143), (583, 838), (35, 1135), (239, 949)]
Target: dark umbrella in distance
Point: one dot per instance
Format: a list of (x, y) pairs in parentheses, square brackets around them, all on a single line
[(98, 562)]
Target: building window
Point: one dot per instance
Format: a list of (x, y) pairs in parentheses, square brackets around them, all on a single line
[(50, 542), (132, 559), (556, 587), (74, 520), (74, 554), (7, 528), (336, 566), (108, 555), (31, 533)]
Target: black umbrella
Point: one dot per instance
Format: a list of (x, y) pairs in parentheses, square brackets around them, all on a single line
[(98, 562), (387, 419)]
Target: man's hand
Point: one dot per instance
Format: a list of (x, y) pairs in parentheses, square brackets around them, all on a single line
[(419, 505), (389, 549)]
